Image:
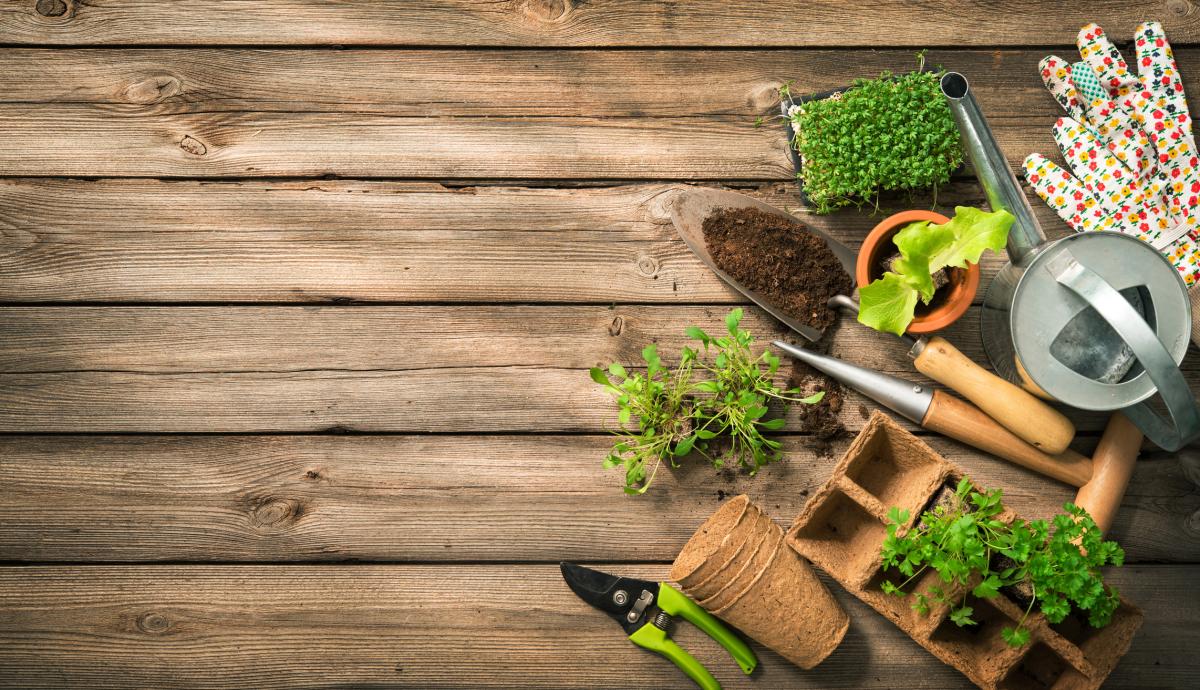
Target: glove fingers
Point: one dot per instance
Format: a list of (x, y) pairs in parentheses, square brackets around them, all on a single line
[(1056, 75), (1113, 121), (1155, 61), (1105, 60), (1119, 199), (1088, 84), (1061, 192), (1161, 95), (1081, 147)]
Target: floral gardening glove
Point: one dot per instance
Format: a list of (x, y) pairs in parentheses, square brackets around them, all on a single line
[(1131, 149), (1096, 93)]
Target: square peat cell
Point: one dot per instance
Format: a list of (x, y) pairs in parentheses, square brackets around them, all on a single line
[(1040, 668), (841, 537), (978, 650), (896, 467)]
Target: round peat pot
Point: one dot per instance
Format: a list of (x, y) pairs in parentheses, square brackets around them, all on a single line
[(950, 301)]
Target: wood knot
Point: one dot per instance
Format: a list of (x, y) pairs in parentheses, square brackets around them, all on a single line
[(1192, 524), (647, 266), (193, 146), (548, 11), (51, 8), (617, 325), (153, 623), (1179, 8), (313, 475), (154, 89), (765, 97), (275, 513)]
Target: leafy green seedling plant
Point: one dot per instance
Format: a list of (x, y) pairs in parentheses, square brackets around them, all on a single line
[(714, 403), (739, 392), (891, 133), (661, 401), (1061, 567), (889, 303)]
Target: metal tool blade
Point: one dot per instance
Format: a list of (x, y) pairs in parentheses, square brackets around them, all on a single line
[(626, 600), (906, 398), (691, 207)]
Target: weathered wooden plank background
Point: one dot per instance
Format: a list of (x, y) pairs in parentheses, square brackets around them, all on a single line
[(297, 298)]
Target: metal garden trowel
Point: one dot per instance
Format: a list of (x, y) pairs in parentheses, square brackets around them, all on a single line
[(1030, 419)]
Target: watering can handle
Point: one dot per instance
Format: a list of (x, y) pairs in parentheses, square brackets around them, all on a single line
[(1184, 425)]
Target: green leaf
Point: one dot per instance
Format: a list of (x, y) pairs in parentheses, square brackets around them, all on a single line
[(917, 242), (696, 333), (988, 588), (962, 616), (616, 370), (685, 446), (598, 376), (813, 399), (1015, 637), (975, 231), (733, 319), (889, 588), (774, 424), (888, 304)]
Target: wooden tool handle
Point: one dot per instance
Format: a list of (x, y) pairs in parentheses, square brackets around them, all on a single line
[(1112, 465), (963, 421), (1031, 419)]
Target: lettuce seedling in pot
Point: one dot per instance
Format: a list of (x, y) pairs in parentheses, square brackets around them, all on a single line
[(890, 301)]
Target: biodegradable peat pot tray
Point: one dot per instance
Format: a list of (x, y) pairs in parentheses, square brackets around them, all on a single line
[(738, 567), (841, 530)]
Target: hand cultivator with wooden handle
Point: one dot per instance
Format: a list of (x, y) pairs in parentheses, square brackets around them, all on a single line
[(1022, 414), (941, 412)]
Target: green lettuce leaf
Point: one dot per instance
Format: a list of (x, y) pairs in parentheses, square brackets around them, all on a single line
[(887, 304), (975, 231), (918, 242)]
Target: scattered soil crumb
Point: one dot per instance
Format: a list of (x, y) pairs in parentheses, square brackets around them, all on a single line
[(820, 420), (862, 411), (780, 259), (803, 492), (721, 494)]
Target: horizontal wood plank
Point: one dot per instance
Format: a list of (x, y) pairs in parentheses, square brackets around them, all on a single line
[(449, 627), (392, 369), (334, 241), (93, 141), (423, 83), (449, 498), (575, 23)]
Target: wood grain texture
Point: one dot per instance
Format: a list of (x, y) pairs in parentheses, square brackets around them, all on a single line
[(449, 498), (422, 83), (574, 23), (447, 627), (96, 142), (333, 241), (393, 369)]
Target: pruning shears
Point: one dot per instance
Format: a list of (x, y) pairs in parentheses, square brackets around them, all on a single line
[(646, 609)]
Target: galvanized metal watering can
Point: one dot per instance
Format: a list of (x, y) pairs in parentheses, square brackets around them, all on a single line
[(1096, 320)]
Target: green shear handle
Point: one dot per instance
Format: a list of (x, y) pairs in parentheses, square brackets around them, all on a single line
[(671, 601)]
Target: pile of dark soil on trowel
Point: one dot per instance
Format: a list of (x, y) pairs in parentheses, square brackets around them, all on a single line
[(779, 259), (794, 270)]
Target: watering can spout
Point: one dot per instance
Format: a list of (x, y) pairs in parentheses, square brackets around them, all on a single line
[(999, 184)]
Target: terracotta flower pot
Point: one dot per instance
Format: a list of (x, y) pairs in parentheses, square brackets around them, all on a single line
[(950, 301)]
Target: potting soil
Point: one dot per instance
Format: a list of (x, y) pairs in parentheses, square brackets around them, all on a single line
[(779, 259)]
